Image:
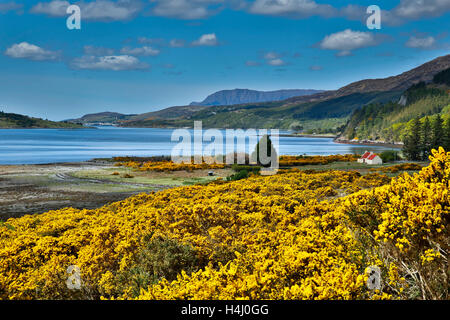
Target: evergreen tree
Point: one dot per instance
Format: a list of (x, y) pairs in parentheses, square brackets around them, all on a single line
[(411, 148), (261, 156), (426, 143), (446, 139), (437, 132)]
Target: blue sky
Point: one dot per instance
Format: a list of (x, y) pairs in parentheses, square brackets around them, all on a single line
[(134, 56)]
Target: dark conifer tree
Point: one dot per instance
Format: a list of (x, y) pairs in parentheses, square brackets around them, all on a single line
[(446, 139), (426, 139), (261, 156), (411, 148), (437, 135)]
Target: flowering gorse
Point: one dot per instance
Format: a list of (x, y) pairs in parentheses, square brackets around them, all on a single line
[(294, 235)]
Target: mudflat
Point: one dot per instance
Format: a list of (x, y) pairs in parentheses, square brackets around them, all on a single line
[(30, 189)]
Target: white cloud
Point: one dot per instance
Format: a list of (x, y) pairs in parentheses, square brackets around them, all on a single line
[(271, 55), (276, 62), (111, 10), (54, 8), (114, 63), (143, 51), (186, 9), (97, 51), (421, 42), (405, 11), (10, 6), (417, 9), (104, 10), (274, 59), (25, 50), (177, 43), (206, 40), (348, 40), (155, 41), (292, 8)]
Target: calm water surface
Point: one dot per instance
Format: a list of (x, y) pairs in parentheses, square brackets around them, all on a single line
[(32, 146)]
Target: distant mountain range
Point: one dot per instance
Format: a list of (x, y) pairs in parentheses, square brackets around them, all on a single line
[(240, 96), (224, 97), (326, 111)]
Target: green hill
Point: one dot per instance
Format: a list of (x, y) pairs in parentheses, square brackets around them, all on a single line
[(18, 121), (390, 122), (322, 112), (327, 115)]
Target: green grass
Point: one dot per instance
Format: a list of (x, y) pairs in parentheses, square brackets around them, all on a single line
[(139, 178), (356, 166), (103, 188)]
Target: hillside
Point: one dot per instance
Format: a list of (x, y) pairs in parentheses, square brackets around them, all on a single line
[(101, 117), (321, 116), (240, 96), (401, 82), (391, 121), (169, 113), (322, 112), (18, 121)]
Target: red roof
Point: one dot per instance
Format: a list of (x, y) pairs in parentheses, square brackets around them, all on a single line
[(365, 155), (372, 156)]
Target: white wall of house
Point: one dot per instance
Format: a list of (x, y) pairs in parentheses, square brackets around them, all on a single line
[(376, 160)]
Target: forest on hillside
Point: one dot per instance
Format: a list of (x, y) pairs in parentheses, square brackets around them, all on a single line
[(393, 121)]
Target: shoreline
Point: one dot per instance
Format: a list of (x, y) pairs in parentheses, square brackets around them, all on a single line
[(321, 136), (381, 144), (336, 140)]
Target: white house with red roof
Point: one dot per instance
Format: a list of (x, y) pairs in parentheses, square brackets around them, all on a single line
[(370, 158)]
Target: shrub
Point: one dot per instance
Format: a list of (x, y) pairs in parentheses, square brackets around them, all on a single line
[(240, 167), (158, 258), (243, 174), (389, 156)]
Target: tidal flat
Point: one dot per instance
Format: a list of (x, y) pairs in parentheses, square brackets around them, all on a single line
[(31, 189)]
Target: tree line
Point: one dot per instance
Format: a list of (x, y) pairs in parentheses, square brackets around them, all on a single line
[(426, 135)]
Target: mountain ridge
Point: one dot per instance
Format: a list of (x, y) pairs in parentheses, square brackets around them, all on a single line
[(327, 110), (241, 96), (425, 72)]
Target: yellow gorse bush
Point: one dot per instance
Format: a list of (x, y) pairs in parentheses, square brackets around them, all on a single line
[(210, 163), (399, 167), (295, 235), (314, 160), (166, 166)]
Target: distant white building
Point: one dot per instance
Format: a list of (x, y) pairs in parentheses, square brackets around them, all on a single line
[(370, 158)]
